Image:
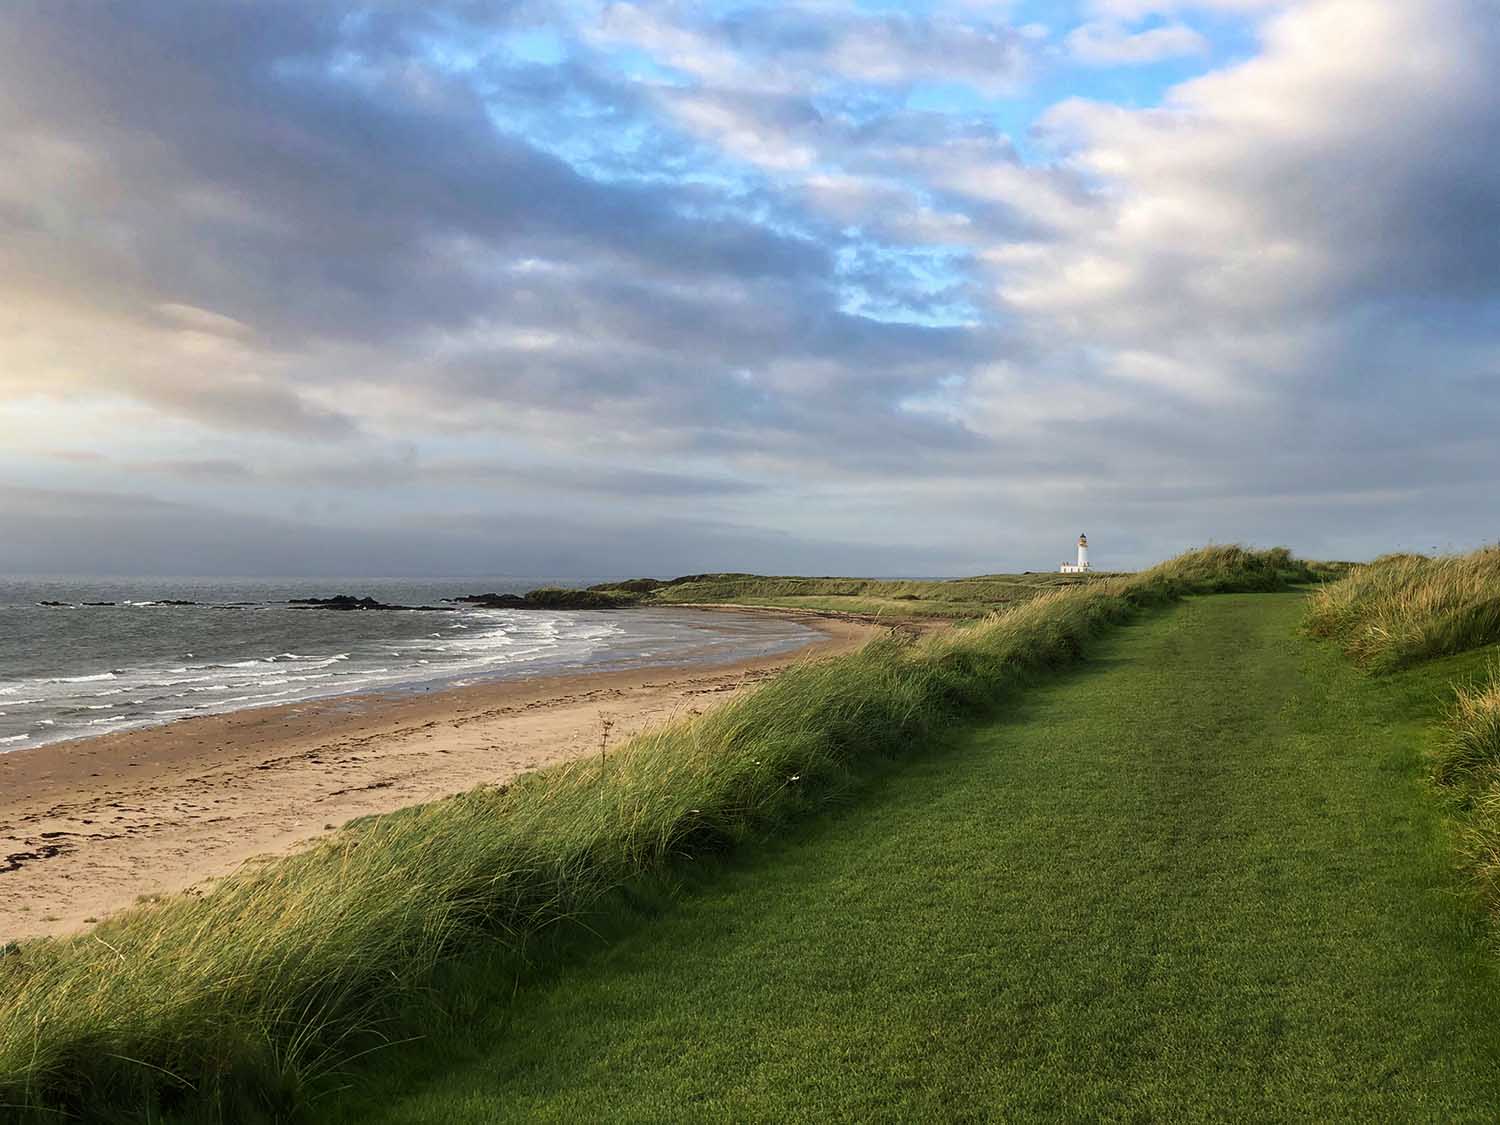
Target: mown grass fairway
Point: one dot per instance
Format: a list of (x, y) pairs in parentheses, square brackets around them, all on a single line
[(1199, 879)]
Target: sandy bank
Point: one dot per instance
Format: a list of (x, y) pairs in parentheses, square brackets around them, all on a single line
[(88, 826)]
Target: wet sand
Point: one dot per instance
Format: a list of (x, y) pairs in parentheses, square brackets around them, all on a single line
[(86, 827)]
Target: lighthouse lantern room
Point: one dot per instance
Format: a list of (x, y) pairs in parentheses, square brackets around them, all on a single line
[(1082, 565)]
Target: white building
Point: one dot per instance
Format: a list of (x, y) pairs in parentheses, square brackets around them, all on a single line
[(1082, 565)]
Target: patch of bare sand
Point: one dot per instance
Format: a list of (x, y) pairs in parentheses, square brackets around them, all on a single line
[(87, 827)]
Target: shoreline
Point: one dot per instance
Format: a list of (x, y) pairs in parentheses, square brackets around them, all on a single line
[(89, 825), (107, 690)]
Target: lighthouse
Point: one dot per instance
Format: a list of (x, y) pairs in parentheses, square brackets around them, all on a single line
[(1082, 565)]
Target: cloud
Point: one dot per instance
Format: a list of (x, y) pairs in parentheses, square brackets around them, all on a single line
[(801, 46), (1108, 44), (1132, 10), (759, 279), (1265, 199)]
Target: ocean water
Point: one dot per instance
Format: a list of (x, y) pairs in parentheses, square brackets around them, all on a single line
[(80, 670)]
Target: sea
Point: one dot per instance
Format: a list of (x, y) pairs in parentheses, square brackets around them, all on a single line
[(119, 654)]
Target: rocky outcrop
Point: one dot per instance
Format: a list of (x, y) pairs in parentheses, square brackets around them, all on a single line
[(494, 601), (549, 597), (350, 602)]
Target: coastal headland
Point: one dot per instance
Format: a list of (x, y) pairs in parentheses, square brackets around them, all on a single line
[(89, 826)]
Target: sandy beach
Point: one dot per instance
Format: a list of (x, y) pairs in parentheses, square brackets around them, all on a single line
[(86, 827)]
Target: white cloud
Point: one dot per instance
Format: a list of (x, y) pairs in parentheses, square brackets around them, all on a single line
[(801, 47), (736, 125), (1325, 171), (1109, 44), (1133, 10)]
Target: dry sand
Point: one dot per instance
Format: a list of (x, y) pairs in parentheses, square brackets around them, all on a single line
[(86, 827)]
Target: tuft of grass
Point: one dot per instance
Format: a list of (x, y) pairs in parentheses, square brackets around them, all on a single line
[(1468, 755), (1466, 764), (243, 996), (1402, 609)]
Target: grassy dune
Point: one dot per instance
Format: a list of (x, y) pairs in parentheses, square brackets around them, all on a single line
[(1402, 609), (233, 1002)]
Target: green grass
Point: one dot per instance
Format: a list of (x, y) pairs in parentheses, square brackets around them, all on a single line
[(1409, 610), (955, 598), (1202, 879), (237, 1001), (893, 609)]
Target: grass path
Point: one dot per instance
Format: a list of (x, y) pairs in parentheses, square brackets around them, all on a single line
[(1199, 880)]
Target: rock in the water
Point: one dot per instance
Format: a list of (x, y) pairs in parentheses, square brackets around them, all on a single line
[(349, 601), (338, 601)]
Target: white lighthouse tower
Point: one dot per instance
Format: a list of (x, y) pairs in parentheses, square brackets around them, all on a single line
[(1082, 565)]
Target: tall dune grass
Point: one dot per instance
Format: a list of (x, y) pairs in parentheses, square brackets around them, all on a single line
[(1467, 764), (1402, 609), (237, 998), (1469, 754)]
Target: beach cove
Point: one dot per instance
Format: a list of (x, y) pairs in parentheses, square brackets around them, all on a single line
[(89, 826)]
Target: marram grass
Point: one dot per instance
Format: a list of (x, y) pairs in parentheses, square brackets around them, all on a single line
[(1403, 609), (1467, 764), (235, 999), (1469, 753)]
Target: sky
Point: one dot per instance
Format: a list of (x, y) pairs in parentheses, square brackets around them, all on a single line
[(579, 288)]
